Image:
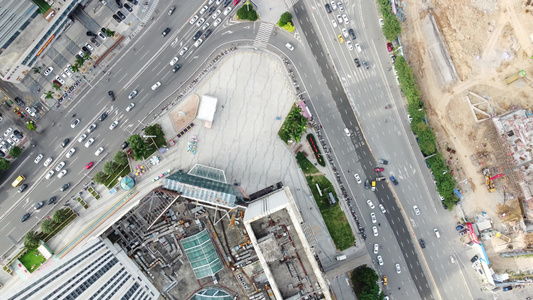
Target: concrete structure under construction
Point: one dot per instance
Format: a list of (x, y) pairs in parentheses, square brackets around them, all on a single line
[(275, 229)]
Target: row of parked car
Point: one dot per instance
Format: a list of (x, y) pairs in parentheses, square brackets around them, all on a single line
[(119, 15), (11, 138)]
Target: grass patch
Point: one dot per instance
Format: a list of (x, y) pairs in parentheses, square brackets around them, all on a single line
[(335, 219), (94, 193), (294, 126), (85, 205), (112, 179), (32, 260), (306, 166), (316, 150)]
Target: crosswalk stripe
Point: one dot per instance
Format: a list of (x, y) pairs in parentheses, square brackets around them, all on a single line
[(263, 35)]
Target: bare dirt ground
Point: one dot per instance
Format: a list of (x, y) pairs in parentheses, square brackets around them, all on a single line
[(488, 41)]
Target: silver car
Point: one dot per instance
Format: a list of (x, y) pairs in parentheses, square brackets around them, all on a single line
[(132, 94)]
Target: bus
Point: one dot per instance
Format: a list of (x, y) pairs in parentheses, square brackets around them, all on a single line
[(18, 181)]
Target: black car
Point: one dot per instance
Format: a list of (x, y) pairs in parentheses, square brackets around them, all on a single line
[(103, 116), (357, 62), (444, 205), (64, 187), (18, 134), (135, 2), (226, 3), (39, 205), (367, 184), (211, 10), (165, 32), (121, 15), (86, 50), (473, 259), (197, 35), (25, 217), (20, 102), (111, 95), (103, 30), (128, 7), (95, 42), (90, 33), (124, 145), (118, 3), (328, 8), (366, 65), (393, 58), (51, 200), (422, 243), (176, 68), (22, 188), (352, 33), (78, 56), (117, 18), (65, 142), (207, 33)]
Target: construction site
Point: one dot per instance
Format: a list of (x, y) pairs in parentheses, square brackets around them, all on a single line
[(480, 110)]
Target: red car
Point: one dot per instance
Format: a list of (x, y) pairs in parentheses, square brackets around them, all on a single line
[(379, 170), (235, 2), (389, 47), (89, 165)]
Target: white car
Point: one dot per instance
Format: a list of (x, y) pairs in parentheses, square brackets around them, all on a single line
[(382, 208), (219, 1), (334, 23), (174, 61), (333, 5), (373, 217), (200, 22), (289, 46), (15, 139), (99, 151), (132, 94), (203, 9), (417, 211), (156, 85), (227, 10), (48, 162), (218, 21), (64, 75), (411, 120), (347, 131), (130, 107), (357, 178), (70, 152), (68, 70), (89, 47), (102, 36), (376, 248), (82, 138), (38, 158), (60, 166), (369, 202), (339, 19), (183, 50), (48, 71), (32, 113), (91, 128), (75, 123), (62, 173), (89, 142), (193, 19), (8, 132), (381, 22), (49, 174), (341, 7), (216, 14), (205, 26), (398, 270), (113, 125), (58, 78), (375, 230), (345, 18), (358, 47), (345, 32), (349, 45), (380, 260), (198, 43)]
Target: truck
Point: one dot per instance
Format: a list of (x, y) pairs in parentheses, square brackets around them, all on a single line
[(515, 77), (373, 186), (340, 257), (18, 181)]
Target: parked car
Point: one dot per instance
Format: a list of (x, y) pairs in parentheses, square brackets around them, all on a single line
[(48, 71)]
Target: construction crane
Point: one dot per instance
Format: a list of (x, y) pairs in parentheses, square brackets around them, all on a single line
[(508, 171)]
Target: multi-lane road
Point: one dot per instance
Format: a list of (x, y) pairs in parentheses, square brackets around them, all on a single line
[(341, 96)]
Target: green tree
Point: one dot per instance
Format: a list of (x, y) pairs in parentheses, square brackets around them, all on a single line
[(47, 226), (75, 68), (30, 126), (57, 87), (86, 56), (242, 13), (60, 216), (285, 18), (79, 61), (4, 164), (156, 130), (15, 151), (100, 177), (31, 240), (252, 16), (109, 32), (49, 95), (110, 167), (121, 158), (138, 146)]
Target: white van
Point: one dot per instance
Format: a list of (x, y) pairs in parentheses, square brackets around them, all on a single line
[(289, 46), (436, 233)]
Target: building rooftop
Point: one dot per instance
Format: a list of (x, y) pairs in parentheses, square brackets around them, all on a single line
[(202, 254)]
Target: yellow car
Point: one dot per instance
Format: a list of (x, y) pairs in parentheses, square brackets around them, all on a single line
[(385, 280), (341, 39)]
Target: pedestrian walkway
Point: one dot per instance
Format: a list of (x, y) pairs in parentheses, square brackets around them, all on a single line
[(265, 30)]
